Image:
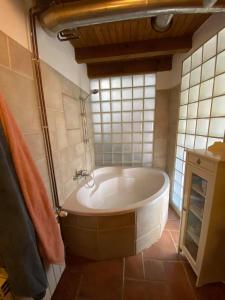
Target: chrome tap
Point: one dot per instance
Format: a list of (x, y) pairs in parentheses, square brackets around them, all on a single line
[(80, 174)]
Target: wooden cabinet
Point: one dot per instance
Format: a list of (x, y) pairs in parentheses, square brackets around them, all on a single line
[(202, 238)]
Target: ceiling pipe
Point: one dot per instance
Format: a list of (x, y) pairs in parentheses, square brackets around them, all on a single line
[(162, 23), (91, 12)]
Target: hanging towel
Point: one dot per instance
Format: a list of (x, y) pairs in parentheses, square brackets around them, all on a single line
[(34, 193), (18, 247)]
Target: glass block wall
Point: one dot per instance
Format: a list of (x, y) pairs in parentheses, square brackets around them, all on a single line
[(202, 105), (123, 120)]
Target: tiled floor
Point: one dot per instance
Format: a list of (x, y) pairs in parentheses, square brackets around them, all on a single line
[(158, 273)]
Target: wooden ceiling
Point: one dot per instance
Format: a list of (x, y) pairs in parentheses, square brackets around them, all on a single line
[(133, 46)]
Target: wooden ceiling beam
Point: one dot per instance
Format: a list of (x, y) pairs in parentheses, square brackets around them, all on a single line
[(130, 67), (133, 50)]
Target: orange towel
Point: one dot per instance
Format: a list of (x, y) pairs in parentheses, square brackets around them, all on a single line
[(36, 199)]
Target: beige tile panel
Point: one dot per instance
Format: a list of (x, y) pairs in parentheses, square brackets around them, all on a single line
[(148, 217), (117, 243), (88, 222), (81, 242), (74, 136), (20, 95), (72, 112), (161, 131), (160, 163), (51, 119), (52, 87), (148, 239), (61, 133), (70, 89), (35, 143), (69, 187), (161, 106), (20, 59), (4, 55), (116, 221), (160, 148), (43, 169)]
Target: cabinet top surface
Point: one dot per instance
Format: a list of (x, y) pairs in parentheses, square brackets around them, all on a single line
[(207, 154)]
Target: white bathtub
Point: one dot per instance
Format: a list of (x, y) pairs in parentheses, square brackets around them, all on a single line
[(123, 213)]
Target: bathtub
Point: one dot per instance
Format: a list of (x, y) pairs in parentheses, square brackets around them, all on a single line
[(122, 212)]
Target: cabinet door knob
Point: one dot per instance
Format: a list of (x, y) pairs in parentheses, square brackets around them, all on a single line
[(198, 161)]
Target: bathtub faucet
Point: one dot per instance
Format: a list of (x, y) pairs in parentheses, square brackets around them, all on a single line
[(80, 174)]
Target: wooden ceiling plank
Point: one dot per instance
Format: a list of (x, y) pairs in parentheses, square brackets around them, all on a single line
[(152, 65), (133, 50)]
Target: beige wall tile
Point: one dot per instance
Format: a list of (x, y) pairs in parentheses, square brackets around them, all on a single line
[(70, 89), (72, 112), (35, 143), (52, 87), (4, 55), (20, 59), (74, 137), (61, 133), (20, 95)]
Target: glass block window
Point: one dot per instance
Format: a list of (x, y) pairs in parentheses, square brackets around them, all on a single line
[(123, 120), (202, 105)]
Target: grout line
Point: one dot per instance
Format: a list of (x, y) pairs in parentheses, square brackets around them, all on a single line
[(173, 241), (123, 284), (143, 265)]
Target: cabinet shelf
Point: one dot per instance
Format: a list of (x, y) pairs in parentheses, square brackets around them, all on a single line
[(196, 188), (193, 236), (196, 211)]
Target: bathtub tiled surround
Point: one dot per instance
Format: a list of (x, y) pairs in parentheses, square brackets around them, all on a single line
[(156, 273), (109, 234)]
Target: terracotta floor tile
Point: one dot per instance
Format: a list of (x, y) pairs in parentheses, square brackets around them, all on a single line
[(134, 267), (163, 249), (68, 285), (175, 236), (172, 215), (154, 270), (102, 280), (215, 291), (173, 225), (143, 290), (180, 287)]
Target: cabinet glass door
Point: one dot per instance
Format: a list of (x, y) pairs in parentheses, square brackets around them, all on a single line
[(195, 214)]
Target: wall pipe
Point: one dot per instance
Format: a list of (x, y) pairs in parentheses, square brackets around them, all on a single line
[(58, 17), (42, 109)]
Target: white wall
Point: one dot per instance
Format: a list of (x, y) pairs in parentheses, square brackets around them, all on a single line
[(60, 56)]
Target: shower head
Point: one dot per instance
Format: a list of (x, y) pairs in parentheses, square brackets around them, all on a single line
[(92, 92), (95, 91)]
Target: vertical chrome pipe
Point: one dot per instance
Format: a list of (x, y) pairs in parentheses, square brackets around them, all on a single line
[(42, 107)]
